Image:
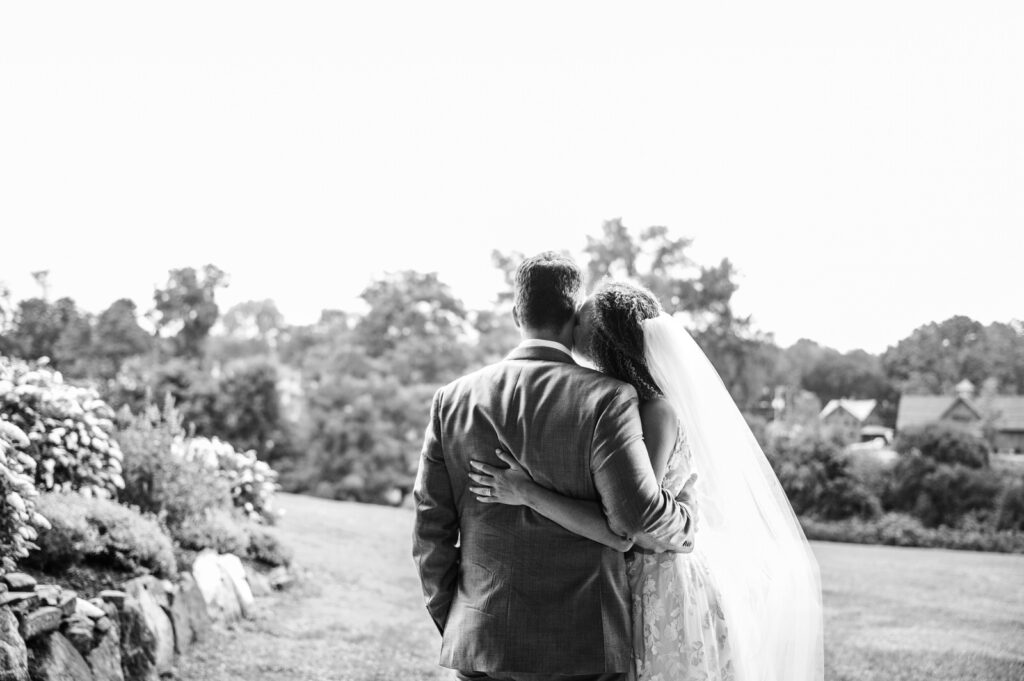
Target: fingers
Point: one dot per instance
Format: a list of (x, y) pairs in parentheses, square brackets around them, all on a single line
[(508, 459), (484, 468)]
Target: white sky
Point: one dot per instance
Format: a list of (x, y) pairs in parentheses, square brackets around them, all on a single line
[(861, 163)]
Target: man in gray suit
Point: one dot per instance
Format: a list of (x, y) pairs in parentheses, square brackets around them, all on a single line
[(514, 595)]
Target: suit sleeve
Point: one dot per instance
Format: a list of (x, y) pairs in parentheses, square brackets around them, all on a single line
[(436, 527), (635, 504)]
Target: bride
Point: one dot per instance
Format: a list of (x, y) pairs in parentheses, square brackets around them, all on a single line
[(745, 605)]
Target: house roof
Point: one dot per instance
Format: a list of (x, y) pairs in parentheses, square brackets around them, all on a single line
[(916, 410), (860, 409)]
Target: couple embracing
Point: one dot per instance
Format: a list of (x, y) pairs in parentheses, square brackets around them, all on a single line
[(621, 523)]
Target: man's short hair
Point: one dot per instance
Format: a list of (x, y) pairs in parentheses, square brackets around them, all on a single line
[(547, 288)]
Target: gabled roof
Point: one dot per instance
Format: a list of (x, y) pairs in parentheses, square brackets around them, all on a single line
[(915, 410), (860, 409)]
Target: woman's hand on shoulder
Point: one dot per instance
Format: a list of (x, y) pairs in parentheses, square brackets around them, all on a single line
[(510, 486)]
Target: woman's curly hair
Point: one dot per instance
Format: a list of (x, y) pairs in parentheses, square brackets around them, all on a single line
[(616, 343)]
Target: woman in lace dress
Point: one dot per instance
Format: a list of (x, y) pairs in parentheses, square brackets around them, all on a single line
[(745, 604)]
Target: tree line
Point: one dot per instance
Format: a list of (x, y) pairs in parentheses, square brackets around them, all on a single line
[(339, 406)]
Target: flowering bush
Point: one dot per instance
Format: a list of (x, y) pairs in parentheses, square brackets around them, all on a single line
[(68, 428), (252, 482), (20, 522)]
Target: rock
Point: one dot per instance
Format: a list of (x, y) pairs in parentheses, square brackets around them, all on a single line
[(3, 588), (84, 607), (143, 589), (19, 602), (280, 578), (19, 581), (105, 659), (48, 593), (40, 621), (138, 643), (258, 582), (81, 631), (157, 591), (189, 615), (113, 596), (215, 586), (232, 566), (68, 603), (13, 652), (55, 659)]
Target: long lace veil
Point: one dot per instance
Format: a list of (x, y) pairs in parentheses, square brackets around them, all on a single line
[(755, 549)]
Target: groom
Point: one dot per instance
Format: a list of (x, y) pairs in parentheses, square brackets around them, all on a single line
[(515, 596)]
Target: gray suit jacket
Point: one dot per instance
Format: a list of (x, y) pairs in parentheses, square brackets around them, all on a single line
[(509, 590)]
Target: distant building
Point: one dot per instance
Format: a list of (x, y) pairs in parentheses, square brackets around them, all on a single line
[(859, 416), (1006, 412)]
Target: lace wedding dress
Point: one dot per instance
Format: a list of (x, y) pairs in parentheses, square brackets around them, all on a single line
[(679, 629)]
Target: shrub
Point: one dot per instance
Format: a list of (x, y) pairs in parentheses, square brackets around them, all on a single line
[(817, 476), (103, 533), (898, 529), (157, 480), (1009, 513), (216, 529), (945, 443), (939, 493), (252, 482), (20, 521), (265, 547), (69, 429)]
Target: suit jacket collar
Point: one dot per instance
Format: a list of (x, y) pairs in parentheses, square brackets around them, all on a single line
[(540, 353)]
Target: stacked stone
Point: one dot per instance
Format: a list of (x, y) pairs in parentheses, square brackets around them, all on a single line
[(133, 634), (127, 635)]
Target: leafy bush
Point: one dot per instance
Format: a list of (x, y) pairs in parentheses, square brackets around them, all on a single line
[(898, 529), (20, 521), (217, 529), (174, 488), (817, 477), (265, 547), (252, 482), (100, 532), (939, 493), (69, 429), (945, 443), (1009, 512)]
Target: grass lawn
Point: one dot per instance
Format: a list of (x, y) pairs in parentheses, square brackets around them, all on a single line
[(891, 614)]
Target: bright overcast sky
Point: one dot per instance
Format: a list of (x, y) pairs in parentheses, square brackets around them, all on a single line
[(861, 163)]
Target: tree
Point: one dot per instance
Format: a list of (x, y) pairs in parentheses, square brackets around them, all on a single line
[(187, 306), (937, 356), (118, 336), (856, 374), (250, 329)]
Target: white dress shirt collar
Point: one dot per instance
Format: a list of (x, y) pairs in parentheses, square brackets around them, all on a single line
[(540, 343)]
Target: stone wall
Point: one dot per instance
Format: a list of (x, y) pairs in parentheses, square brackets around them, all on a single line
[(133, 634)]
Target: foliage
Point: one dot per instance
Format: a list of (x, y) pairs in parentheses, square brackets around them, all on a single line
[(69, 429), (173, 488), (897, 529), (817, 476), (187, 307), (1009, 511), (117, 337), (937, 356), (20, 521), (252, 483), (217, 529), (266, 547), (945, 443), (247, 412), (855, 374), (100, 532), (939, 493)]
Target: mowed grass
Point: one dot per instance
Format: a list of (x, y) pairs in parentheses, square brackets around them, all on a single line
[(891, 614)]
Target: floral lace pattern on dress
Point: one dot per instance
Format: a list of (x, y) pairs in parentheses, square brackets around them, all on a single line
[(679, 630)]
